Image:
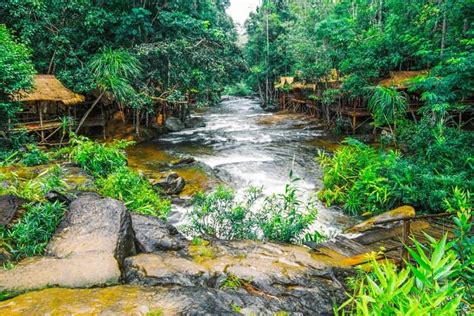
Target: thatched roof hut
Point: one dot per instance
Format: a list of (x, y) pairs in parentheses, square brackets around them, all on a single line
[(401, 79), (49, 89)]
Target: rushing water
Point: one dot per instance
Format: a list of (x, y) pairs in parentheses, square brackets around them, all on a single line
[(248, 146)]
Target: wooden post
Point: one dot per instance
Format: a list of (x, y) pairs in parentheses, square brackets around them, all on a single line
[(40, 110), (406, 234), (103, 121)]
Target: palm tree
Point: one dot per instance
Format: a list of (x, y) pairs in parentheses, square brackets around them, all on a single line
[(387, 105), (113, 71)]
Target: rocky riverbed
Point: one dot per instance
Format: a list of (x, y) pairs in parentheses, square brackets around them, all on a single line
[(102, 259)]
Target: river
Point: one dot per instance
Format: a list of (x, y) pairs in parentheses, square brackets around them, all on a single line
[(244, 145)]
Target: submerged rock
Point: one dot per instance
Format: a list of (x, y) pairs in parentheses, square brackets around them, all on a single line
[(174, 124), (153, 234), (88, 249), (9, 207), (172, 184), (194, 122)]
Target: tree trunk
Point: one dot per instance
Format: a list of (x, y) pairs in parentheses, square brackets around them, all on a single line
[(89, 112)]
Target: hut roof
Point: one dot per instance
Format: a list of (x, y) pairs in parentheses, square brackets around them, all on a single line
[(48, 88), (401, 79), (290, 81), (284, 81)]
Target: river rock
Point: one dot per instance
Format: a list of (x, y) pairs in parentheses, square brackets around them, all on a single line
[(136, 300), (9, 206), (174, 124), (286, 274), (87, 249), (172, 184), (153, 234), (194, 122)]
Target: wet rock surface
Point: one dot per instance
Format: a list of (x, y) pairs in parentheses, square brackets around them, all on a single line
[(9, 207), (88, 249), (281, 277), (172, 184), (136, 300), (153, 234), (174, 124)]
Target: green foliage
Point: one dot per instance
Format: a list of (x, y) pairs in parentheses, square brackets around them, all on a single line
[(97, 159), (34, 156), (425, 287), (364, 179), (387, 105), (218, 214), (231, 282), (181, 45), (35, 188), (354, 177), (284, 216), (460, 205), (281, 217), (30, 235), (16, 73), (135, 191), (240, 89)]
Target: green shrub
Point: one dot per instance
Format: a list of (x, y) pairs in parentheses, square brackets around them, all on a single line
[(424, 288), (354, 177), (30, 235), (34, 156), (280, 217), (97, 159), (284, 216), (364, 179), (240, 89), (34, 189), (461, 206), (135, 191)]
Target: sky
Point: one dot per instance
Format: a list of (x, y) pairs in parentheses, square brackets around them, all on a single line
[(239, 10)]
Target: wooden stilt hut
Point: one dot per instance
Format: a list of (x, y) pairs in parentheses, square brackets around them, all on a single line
[(296, 96), (47, 108)]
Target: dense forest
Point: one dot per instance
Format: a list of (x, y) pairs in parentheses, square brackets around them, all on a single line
[(196, 119)]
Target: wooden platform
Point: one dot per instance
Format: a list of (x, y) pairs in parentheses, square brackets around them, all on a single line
[(386, 239)]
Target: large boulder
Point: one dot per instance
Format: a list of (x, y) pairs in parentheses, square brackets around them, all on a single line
[(153, 234), (284, 277), (174, 124), (87, 249)]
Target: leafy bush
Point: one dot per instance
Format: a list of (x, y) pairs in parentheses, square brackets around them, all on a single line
[(281, 217), (240, 89), (30, 235), (135, 191), (461, 206), (284, 216), (34, 156), (354, 177), (26, 154), (436, 160), (97, 159), (34, 189), (425, 288)]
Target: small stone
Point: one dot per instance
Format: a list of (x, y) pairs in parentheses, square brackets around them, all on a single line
[(172, 184)]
